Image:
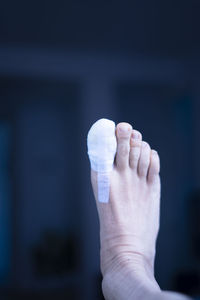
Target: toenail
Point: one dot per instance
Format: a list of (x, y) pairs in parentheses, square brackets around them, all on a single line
[(144, 144), (124, 129), (137, 135), (154, 152)]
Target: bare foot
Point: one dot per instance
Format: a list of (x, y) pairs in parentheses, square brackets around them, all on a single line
[(129, 223)]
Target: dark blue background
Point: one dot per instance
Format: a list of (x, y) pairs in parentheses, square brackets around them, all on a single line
[(63, 65)]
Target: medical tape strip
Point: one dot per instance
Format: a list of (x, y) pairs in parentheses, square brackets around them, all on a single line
[(101, 150)]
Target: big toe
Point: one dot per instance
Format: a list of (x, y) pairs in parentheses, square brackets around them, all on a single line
[(123, 133)]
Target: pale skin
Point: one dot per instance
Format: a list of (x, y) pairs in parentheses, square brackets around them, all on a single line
[(129, 222)]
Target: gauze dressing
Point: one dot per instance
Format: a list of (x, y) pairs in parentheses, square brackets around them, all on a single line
[(102, 146)]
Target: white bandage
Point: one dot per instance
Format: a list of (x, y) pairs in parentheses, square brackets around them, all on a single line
[(102, 145)]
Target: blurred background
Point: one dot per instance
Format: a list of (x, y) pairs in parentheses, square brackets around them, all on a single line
[(63, 65)]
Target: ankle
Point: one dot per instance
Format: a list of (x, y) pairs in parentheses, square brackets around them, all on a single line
[(117, 256), (124, 282)]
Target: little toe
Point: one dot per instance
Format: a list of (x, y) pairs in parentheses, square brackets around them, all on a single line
[(135, 149), (144, 160), (123, 133), (154, 167)]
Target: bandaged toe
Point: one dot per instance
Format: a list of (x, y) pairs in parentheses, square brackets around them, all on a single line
[(102, 145)]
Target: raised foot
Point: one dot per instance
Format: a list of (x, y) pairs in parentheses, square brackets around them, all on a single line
[(129, 223)]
